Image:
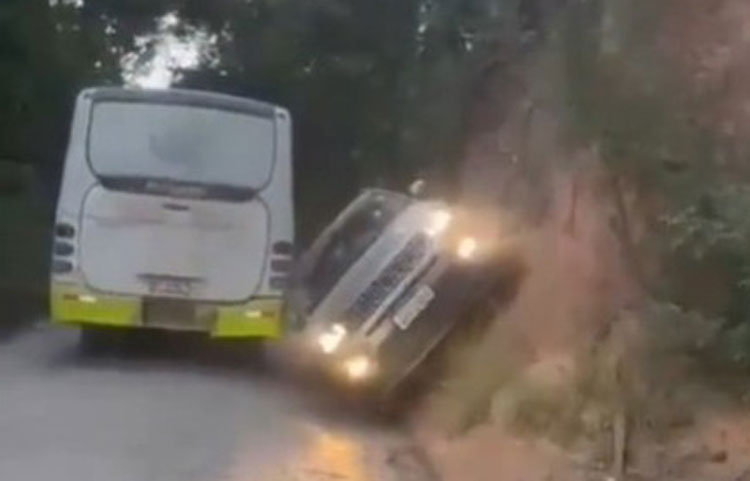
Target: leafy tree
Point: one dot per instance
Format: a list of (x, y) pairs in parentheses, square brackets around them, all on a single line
[(378, 90)]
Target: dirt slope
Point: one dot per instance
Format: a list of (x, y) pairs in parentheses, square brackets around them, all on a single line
[(539, 396)]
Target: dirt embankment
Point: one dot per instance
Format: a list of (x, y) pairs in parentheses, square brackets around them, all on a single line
[(584, 376)]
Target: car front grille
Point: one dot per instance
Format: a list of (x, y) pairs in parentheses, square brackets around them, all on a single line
[(368, 302)]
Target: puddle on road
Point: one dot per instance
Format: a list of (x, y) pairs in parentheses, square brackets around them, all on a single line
[(329, 455)]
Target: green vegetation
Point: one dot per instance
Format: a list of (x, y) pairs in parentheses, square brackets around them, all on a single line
[(638, 101), (379, 91), (652, 184)]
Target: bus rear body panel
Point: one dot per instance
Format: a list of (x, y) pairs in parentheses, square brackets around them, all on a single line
[(172, 208), (151, 246)]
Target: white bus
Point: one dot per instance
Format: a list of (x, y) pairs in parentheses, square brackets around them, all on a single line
[(175, 212)]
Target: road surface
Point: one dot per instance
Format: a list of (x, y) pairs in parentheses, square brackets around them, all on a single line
[(68, 417)]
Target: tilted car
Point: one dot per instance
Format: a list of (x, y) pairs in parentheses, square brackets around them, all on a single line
[(387, 281)]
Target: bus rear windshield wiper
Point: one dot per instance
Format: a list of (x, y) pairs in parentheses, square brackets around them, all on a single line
[(177, 189)]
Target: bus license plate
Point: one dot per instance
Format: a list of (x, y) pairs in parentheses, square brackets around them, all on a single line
[(170, 287), (176, 314), (406, 315)]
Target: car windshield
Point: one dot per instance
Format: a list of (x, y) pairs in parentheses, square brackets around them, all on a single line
[(180, 143), (351, 236)]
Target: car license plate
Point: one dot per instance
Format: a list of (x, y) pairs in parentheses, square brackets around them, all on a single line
[(406, 315)]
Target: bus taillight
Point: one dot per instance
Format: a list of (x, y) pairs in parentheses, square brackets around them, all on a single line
[(284, 248), (65, 231), (63, 249)]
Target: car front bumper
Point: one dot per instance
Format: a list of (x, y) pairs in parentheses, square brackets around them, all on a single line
[(392, 352)]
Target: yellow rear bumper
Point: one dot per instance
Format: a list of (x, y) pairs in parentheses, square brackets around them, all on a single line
[(73, 305)]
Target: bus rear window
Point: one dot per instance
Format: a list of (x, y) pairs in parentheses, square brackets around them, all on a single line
[(181, 144)]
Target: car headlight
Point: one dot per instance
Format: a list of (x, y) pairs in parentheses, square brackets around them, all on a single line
[(439, 221), (330, 340), (358, 367), (467, 248)]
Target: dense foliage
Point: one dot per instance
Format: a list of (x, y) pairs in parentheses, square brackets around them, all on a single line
[(378, 90), (640, 84)]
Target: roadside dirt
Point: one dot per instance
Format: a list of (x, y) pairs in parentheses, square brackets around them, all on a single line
[(580, 284)]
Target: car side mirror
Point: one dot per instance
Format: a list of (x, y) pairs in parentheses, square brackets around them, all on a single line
[(418, 188)]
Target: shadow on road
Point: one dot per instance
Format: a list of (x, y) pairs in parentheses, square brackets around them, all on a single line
[(18, 310), (139, 350)]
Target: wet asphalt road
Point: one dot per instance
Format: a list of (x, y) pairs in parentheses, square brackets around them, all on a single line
[(69, 417)]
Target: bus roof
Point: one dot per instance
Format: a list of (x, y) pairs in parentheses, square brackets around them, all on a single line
[(196, 98)]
